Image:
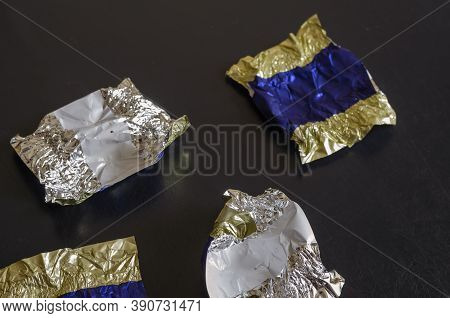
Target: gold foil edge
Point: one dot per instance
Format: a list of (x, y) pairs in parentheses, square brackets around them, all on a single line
[(304, 274), (233, 222), (296, 51), (244, 215), (317, 140), (56, 273)]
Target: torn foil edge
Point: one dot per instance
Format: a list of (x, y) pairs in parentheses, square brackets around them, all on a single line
[(55, 155), (53, 274), (152, 129), (304, 274), (303, 277), (317, 140), (297, 50), (263, 210)]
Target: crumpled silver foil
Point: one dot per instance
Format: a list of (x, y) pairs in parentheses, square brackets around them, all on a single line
[(151, 128), (301, 275), (55, 156), (96, 142), (304, 277), (264, 210)]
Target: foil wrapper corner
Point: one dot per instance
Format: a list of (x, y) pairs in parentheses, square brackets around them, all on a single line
[(319, 92), (263, 246), (109, 269), (97, 141)]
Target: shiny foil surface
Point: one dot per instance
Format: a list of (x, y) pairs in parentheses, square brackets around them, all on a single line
[(124, 290), (304, 277), (297, 50), (151, 128), (66, 271), (333, 81), (316, 140), (244, 215), (96, 142), (55, 156), (277, 257), (319, 92)]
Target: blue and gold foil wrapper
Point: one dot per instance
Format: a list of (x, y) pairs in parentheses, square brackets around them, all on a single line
[(104, 270), (264, 246), (97, 141), (319, 92)]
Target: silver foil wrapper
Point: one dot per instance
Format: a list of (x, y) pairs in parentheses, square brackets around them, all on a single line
[(97, 141), (264, 246)]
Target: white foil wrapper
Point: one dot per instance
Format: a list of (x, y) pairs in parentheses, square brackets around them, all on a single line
[(264, 247), (97, 141)]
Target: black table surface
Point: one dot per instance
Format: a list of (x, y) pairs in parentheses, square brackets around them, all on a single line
[(380, 210)]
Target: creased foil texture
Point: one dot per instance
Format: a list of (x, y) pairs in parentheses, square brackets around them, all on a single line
[(109, 269), (263, 246), (320, 93), (96, 142)]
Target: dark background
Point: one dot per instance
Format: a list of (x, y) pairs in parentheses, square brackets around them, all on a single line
[(382, 207)]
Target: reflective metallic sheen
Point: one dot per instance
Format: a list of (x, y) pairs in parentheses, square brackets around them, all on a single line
[(319, 92), (280, 258), (334, 81), (151, 128), (319, 139), (97, 141), (297, 50), (244, 215), (124, 290), (56, 273), (304, 277), (55, 156)]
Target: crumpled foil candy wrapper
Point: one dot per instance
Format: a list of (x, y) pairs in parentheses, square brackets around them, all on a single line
[(109, 269), (263, 246), (97, 141), (320, 93)]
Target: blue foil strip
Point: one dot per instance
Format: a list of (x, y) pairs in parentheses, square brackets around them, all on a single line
[(125, 290), (331, 83)]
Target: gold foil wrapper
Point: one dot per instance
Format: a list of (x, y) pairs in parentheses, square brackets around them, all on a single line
[(302, 275), (235, 223), (297, 50), (244, 215), (316, 140), (56, 273)]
